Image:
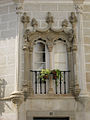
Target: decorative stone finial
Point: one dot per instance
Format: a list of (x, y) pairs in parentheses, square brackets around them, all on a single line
[(73, 18), (25, 20), (49, 19), (34, 23), (65, 23)]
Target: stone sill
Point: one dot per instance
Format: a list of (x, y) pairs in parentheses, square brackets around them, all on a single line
[(51, 96)]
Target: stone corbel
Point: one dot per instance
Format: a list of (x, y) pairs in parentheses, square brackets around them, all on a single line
[(17, 98)]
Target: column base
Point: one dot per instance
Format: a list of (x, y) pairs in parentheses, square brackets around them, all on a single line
[(77, 91), (51, 91)]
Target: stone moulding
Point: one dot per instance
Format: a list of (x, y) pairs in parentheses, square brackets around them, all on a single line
[(49, 36)]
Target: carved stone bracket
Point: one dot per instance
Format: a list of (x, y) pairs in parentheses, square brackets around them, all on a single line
[(17, 98)]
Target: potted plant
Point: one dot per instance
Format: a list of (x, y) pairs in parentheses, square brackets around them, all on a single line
[(56, 74), (45, 73)]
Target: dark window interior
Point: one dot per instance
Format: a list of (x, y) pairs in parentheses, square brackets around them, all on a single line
[(62, 118)]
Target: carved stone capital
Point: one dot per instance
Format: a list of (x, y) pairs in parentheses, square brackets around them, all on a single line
[(74, 48), (50, 48), (31, 49), (25, 20), (68, 49), (50, 45), (25, 47)]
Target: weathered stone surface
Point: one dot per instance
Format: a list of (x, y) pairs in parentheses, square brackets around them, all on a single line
[(3, 26), (88, 87), (12, 8), (86, 31), (87, 67), (49, 7), (3, 10), (8, 17), (60, 10), (87, 58), (65, 7), (86, 8), (88, 76), (86, 40), (86, 24), (86, 16), (8, 34), (87, 49), (32, 7)]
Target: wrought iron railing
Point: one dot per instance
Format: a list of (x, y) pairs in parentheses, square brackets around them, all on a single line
[(60, 86)]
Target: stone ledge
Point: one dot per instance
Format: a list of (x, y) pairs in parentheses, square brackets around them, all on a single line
[(54, 96)]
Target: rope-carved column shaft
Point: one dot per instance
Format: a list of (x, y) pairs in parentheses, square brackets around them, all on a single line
[(70, 66), (26, 68), (73, 21), (81, 51), (31, 67), (27, 86)]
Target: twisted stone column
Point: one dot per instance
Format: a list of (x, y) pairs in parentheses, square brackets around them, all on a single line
[(81, 52)]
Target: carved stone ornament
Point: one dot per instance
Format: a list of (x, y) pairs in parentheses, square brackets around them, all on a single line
[(49, 19), (73, 18), (25, 20), (79, 8), (49, 35), (17, 98), (34, 24)]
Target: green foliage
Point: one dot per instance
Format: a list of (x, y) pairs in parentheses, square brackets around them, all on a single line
[(45, 73)]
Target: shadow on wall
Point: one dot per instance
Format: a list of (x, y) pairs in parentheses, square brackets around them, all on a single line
[(3, 83)]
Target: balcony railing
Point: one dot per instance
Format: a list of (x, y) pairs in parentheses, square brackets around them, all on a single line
[(60, 86)]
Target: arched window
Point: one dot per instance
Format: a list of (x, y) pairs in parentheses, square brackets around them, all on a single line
[(40, 56), (60, 56)]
